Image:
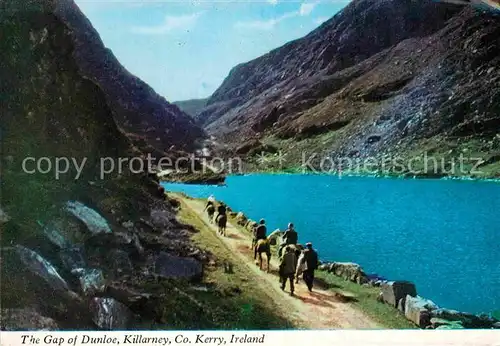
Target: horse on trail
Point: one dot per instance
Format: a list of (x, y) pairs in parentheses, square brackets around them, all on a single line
[(211, 212), (221, 223), (261, 246)]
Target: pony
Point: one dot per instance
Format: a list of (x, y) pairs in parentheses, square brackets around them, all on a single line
[(261, 246), (221, 223), (301, 263), (211, 212)]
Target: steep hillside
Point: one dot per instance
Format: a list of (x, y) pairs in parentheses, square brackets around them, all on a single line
[(191, 107), (138, 109), (361, 85), (82, 250)]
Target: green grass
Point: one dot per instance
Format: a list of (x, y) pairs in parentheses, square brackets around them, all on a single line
[(232, 302), (366, 301)]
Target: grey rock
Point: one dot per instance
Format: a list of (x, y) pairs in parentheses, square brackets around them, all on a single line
[(92, 219), (92, 281), (73, 258), (109, 314), (418, 310), (468, 320), (4, 217), (41, 267), (170, 266), (26, 319), (395, 290)]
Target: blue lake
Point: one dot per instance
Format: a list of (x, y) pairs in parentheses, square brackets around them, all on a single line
[(442, 235)]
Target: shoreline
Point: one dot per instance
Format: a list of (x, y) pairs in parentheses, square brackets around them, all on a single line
[(221, 180), (418, 310)]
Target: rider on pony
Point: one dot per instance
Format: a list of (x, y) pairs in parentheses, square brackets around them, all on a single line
[(210, 208), (290, 237), (259, 232)]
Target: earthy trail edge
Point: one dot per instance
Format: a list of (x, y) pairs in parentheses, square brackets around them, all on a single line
[(317, 310)]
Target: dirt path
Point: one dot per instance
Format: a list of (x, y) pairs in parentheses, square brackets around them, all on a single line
[(319, 309)]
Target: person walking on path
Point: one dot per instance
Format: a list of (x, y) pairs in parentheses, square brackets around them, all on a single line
[(288, 265), (310, 261)]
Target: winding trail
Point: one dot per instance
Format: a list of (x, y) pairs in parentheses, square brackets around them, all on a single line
[(319, 309)]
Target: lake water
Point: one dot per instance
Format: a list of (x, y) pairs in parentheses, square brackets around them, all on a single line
[(442, 235)]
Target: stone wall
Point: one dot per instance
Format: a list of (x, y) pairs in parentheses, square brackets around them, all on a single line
[(402, 295)]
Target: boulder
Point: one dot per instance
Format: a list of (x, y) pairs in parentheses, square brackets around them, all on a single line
[(92, 219), (468, 320), (92, 281), (54, 236), (250, 225), (41, 267), (162, 219), (349, 271), (4, 217), (496, 325), (109, 314), (451, 326), (418, 310), (170, 266), (393, 291), (26, 319), (438, 322), (73, 258), (241, 219)]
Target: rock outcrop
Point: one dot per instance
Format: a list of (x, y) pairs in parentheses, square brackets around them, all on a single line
[(69, 233), (349, 271)]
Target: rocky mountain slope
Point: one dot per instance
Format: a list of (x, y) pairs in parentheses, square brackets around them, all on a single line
[(362, 85), (138, 109), (79, 250)]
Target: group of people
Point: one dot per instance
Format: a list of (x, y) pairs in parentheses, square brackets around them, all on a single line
[(294, 261)]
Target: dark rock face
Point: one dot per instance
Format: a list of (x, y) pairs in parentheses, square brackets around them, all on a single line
[(26, 319), (137, 107), (169, 266), (381, 85), (66, 238)]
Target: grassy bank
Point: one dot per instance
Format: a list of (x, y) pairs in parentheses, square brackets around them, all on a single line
[(366, 301), (232, 301)]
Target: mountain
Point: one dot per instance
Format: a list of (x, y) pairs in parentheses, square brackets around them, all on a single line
[(81, 228), (191, 107), (361, 85), (138, 109)]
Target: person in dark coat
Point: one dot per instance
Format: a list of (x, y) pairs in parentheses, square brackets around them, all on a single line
[(259, 232), (210, 208), (288, 265), (221, 211), (290, 237), (310, 260)]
